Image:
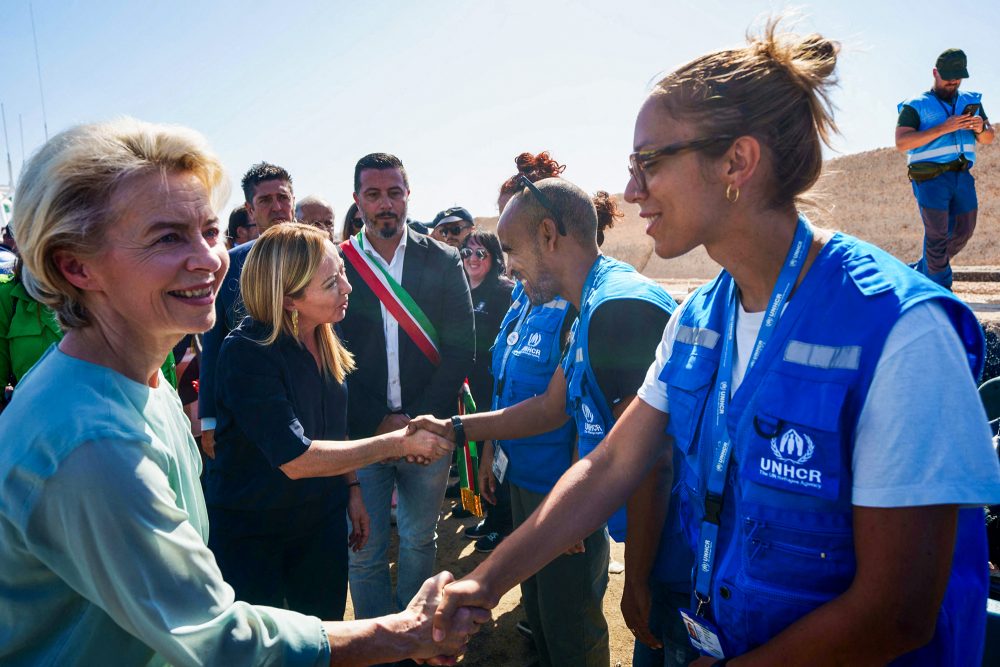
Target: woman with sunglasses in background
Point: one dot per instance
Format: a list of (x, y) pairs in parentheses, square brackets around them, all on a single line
[(353, 222), (491, 289)]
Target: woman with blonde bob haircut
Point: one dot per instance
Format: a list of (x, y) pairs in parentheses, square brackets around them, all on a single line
[(281, 479), (103, 525)]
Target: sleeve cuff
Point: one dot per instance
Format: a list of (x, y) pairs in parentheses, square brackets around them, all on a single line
[(208, 423)]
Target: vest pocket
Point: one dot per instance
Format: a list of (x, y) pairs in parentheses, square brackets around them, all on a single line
[(689, 381), (804, 552), (793, 441)]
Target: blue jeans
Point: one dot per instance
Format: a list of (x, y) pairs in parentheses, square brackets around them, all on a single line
[(948, 209), (421, 492), (665, 622)]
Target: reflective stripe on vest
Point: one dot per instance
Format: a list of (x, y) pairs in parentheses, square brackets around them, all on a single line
[(525, 355), (949, 147), (607, 280), (785, 543)]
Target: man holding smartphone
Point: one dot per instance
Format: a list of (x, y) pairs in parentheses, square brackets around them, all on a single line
[(939, 130)]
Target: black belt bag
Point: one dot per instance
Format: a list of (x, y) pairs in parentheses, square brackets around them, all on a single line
[(925, 171)]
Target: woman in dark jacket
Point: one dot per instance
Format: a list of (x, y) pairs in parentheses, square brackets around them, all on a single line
[(484, 266), (281, 480)]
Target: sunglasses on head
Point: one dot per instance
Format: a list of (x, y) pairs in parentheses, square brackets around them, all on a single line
[(544, 201), (451, 230), (478, 252)]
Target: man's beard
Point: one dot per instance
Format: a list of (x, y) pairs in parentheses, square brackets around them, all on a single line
[(543, 289), (386, 226)]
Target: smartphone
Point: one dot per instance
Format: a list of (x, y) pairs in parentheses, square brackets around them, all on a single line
[(971, 109)]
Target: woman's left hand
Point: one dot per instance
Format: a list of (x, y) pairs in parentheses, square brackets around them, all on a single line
[(360, 523)]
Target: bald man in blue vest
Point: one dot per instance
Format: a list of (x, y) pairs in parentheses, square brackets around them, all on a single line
[(939, 130)]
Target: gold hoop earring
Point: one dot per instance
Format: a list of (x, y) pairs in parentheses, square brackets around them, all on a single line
[(732, 196), (295, 322)]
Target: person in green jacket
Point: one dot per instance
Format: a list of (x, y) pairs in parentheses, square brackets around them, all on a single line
[(28, 328)]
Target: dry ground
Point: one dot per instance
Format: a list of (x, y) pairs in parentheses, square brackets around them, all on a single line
[(499, 644)]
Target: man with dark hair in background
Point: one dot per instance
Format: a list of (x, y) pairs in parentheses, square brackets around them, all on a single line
[(267, 189), (241, 228), (939, 130), (411, 330)]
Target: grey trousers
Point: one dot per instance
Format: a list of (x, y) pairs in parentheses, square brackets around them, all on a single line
[(564, 600)]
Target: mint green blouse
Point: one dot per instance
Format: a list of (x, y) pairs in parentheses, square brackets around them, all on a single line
[(103, 532)]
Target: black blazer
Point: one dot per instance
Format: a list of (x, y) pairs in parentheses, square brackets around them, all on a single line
[(433, 275)]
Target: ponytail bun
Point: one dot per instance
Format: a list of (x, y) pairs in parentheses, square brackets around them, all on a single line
[(608, 212), (775, 89), (534, 168)]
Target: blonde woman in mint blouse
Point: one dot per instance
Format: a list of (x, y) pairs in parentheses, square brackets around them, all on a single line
[(103, 528)]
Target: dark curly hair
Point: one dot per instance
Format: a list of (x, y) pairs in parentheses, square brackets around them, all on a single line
[(534, 168), (541, 166), (260, 172), (608, 213)]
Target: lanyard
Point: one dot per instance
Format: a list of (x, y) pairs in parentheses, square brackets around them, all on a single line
[(516, 334), (787, 278)]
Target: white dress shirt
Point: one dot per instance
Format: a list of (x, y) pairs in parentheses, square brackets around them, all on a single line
[(390, 327)]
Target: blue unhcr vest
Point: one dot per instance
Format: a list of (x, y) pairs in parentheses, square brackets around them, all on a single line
[(933, 111), (525, 354), (608, 280), (785, 543)]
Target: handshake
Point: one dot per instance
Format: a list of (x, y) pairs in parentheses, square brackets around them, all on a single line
[(436, 626), (422, 440)]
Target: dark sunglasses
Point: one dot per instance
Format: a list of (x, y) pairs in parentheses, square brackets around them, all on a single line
[(358, 223), (478, 252), (640, 161), (544, 201), (453, 230)]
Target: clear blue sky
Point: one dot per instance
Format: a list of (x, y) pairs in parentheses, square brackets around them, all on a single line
[(455, 88)]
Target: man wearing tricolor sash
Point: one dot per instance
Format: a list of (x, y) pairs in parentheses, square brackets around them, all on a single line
[(411, 330)]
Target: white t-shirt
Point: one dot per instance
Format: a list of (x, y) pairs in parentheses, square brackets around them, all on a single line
[(922, 436)]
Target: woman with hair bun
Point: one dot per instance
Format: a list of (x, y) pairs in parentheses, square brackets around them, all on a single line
[(831, 488)]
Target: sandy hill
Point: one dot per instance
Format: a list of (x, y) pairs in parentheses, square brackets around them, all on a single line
[(865, 194)]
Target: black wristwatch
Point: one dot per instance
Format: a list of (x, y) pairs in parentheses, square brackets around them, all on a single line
[(456, 423)]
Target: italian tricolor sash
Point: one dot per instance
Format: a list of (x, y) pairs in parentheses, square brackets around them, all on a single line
[(397, 301)]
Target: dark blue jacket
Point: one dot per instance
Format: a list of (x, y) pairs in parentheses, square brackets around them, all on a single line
[(272, 402)]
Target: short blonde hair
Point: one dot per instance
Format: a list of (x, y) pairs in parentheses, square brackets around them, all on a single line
[(64, 199), (282, 263)]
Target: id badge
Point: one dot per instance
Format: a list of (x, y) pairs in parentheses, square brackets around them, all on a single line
[(499, 464), (703, 635)]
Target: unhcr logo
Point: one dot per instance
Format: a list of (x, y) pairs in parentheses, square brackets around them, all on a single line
[(590, 428), (793, 447), (530, 347), (791, 451)]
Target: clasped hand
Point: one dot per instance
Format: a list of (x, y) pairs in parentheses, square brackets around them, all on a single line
[(417, 445), (440, 647)]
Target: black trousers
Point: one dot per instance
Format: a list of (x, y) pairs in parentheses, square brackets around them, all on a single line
[(290, 558)]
